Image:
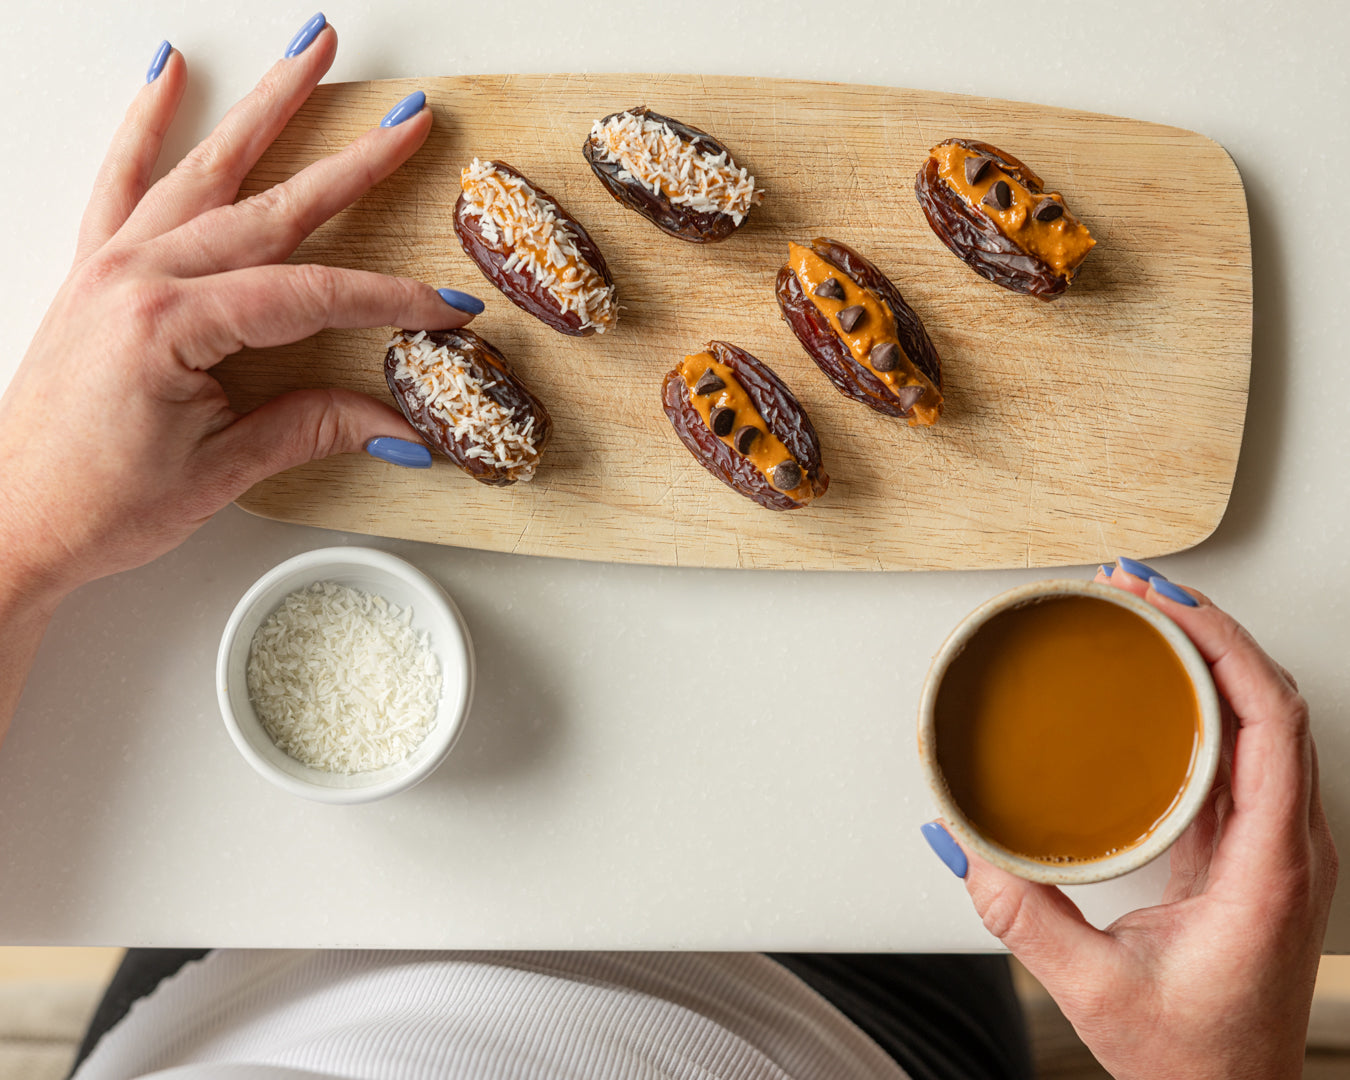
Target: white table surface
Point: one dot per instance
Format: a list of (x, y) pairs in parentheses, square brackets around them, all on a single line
[(601, 797)]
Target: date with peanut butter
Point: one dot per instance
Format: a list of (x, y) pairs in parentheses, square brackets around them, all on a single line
[(853, 322), (679, 178), (995, 215), (461, 395), (531, 249), (742, 424)]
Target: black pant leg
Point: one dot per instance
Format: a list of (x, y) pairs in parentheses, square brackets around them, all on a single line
[(140, 972), (941, 1017)]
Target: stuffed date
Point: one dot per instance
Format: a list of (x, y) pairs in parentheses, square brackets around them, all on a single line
[(742, 424), (679, 178), (994, 214), (460, 394), (531, 249), (858, 329)]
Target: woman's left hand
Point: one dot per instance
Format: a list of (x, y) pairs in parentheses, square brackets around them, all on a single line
[(115, 440)]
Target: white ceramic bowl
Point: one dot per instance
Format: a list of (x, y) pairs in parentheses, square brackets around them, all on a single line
[(1184, 809), (371, 571)]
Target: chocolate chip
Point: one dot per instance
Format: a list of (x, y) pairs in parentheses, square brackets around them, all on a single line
[(907, 396), (976, 167), (885, 357), (851, 317), (1047, 210), (745, 438), (720, 420), (708, 383), (830, 289), (1000, 195), (787, 476)]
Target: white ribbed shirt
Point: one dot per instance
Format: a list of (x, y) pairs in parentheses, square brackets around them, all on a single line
[(267, 1015)]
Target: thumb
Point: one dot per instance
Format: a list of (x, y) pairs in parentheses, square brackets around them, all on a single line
[(1041, 926), (301, 426)]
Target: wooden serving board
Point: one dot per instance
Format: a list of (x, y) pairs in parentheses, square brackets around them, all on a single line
[(1108, 421)]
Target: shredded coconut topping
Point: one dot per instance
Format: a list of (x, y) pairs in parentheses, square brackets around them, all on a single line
[(450, 383), (341, 681), (652, 153), (513, 219)]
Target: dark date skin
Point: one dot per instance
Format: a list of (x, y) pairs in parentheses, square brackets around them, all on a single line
[(974, 238), (781, 412), (500, 383), (518, 285), (681, 222), (832, 355)]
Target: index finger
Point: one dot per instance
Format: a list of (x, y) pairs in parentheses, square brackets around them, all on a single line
[(1273, 785)]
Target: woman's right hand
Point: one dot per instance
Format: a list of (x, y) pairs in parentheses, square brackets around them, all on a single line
[(1216, 981)]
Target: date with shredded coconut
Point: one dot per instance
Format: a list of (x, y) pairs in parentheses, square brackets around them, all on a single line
[(679, 178), (461, 395), (535, 252)]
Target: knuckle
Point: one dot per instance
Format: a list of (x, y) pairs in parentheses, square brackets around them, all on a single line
[(317, 286), (270, 201), (1002, 911), (147, 302), (282, 212), (106, 266), (209, 158), (328, 428), (1300, 715)]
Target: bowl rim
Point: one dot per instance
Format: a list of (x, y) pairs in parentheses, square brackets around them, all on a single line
[(1193, 794), (457, 652)]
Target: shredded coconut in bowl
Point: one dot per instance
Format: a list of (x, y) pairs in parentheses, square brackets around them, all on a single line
[(341, 681)]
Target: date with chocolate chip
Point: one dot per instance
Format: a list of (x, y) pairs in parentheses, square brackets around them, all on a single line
[(853, 322), (461, 395), (742, 424), (994, 214), (679, 178), (533, 250)]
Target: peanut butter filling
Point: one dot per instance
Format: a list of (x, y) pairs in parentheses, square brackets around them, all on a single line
[(875, 328), (1061, 243), (767, 451)]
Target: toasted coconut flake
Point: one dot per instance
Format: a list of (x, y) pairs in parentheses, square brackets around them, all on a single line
[(652, 153), (453, 388), (513, 219)]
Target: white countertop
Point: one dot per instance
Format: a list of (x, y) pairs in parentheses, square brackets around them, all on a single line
[(601, 797)]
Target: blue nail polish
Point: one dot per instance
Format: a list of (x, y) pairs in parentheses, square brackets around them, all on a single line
[(461, 301), (1138, 569), (410, 455), (304, 37), (1163, 587), (406, 109), (157, 63), (1106, 569), (946, 849)]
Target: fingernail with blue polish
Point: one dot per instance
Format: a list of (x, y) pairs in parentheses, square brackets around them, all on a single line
[(1106, 570), (304, 37), (157, 63), (461, 301), (946, 849), (406, 109), (410, 455), (1138, 569), (1163, 587)]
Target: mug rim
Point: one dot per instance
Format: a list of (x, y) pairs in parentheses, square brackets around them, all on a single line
[(1184, 808)]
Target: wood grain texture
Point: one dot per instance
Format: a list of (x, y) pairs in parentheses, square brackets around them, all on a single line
[(1107, 421)]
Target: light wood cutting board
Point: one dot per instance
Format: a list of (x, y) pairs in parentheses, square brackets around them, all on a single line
[(1108, 421)]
